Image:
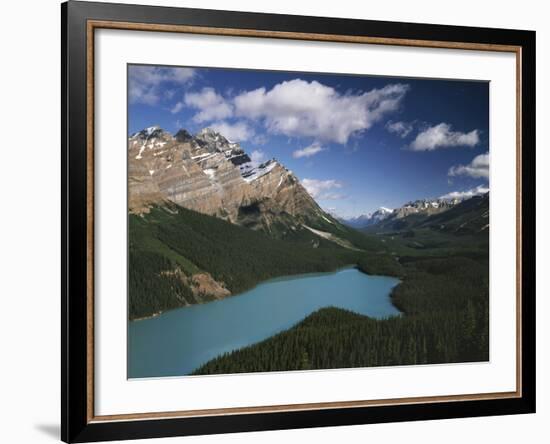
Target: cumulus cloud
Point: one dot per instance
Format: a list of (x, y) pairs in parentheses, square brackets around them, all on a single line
[(323, 189), (333, 196), (298, 108), (402, 129), (480, 189), (144, 82), (442, 136), (478, 167), (211, 105), (177, 107), (257, 156), (308, 151), (260, 139), (235, 132)]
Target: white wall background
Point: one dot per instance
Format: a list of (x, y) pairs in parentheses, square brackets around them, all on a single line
[(30, 207)]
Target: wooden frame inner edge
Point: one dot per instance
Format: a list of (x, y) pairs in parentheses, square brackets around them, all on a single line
[(95, 24)]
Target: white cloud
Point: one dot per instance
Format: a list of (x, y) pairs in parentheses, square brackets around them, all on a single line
[(478, 167), (257, 157), (298, 108), (480, 189), (144, 82), (441, 136), (211, 105), (177, 107), (260, 139), (308, 151), (235, 132), (323, 189), (402, 129), (332, 196)]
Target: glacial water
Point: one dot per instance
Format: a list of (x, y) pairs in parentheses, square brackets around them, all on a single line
[(178, 341)]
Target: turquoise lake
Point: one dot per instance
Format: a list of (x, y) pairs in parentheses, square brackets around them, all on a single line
[(178, 341)]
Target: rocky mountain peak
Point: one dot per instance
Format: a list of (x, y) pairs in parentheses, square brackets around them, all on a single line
[(149, 133), (210, 137), (208, 173), (183, 136), (208, 132)]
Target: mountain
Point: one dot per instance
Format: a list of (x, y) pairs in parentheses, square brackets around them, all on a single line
[(208, 173), (365, 220), (409, 214), (457, 216)]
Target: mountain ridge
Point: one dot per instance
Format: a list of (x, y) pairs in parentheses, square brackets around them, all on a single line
[(451, 215), (208, 173), (418, 206), (364, 220)]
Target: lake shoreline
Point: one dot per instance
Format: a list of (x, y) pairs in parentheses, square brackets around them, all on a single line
[(179, 341), (282, 277)]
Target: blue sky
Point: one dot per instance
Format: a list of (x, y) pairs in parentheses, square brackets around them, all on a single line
[(356, 142)]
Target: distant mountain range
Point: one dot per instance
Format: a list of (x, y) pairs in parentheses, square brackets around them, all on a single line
[(365, 220), (457, 216), (424, 207)]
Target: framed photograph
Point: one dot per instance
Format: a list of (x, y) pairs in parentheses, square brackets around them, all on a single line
[(276, 221)]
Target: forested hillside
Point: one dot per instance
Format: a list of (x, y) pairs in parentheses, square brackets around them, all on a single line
[(171, 244)]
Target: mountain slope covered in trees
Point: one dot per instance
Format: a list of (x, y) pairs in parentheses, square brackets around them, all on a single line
[(179, 257)]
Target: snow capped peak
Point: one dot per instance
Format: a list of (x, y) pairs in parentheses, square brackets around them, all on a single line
[(149, 131), (212, 139), (209, 133), (364, 220)]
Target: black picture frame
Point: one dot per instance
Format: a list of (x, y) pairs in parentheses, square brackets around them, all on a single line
[(76, 423)]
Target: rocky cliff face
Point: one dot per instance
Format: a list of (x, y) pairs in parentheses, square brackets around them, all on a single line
[(209, 174)]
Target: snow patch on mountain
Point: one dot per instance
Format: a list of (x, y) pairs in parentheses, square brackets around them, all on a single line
[(210, 172), (252, 173), (149, 131)]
